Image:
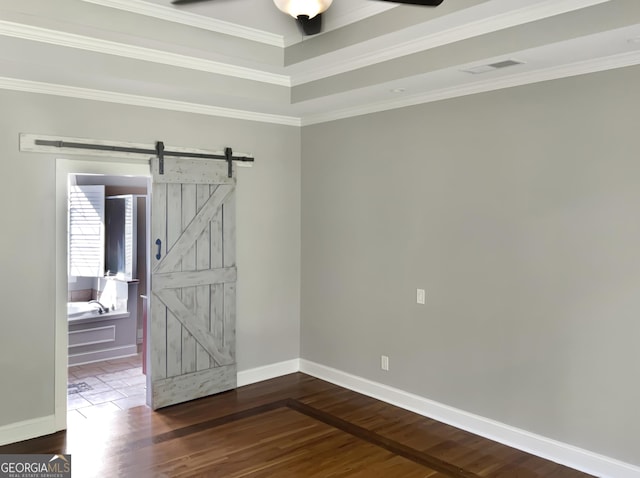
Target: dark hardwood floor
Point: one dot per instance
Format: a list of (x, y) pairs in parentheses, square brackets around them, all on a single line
[(292, 426)]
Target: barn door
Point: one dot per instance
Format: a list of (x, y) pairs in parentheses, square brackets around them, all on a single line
[(193, 281)]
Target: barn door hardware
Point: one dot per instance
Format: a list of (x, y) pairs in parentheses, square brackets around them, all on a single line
[(160, 155), (158, 151), (228, 153)]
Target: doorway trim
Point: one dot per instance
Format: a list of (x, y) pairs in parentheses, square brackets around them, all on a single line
[(64, 167)]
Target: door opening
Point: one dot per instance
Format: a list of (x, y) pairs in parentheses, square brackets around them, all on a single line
[(190, 223), (102, 279), (107, 286)]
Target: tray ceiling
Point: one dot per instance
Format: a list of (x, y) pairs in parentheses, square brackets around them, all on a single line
[(245, 59)]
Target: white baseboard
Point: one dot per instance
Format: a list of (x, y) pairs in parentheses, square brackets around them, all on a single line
[(27, 429), (259, 374), (569, 455), (543, 447)]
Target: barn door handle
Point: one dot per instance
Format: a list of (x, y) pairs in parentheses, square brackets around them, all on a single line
[(159, 244)]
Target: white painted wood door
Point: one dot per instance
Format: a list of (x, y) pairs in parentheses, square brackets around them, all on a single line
[(193, 281)]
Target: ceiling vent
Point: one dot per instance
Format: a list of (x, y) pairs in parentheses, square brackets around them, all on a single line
[(492, 66)]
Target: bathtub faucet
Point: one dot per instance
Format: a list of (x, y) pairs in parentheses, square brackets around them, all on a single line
[(101, 308)]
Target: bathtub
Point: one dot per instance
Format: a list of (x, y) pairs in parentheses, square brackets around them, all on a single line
[(86, 310), (79, 309), (94, 337)]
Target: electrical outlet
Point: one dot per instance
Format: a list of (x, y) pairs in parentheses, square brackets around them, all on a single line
[(420, 296), (384, 363)]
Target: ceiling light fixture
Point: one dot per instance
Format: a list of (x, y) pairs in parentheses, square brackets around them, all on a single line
[(302, 8)]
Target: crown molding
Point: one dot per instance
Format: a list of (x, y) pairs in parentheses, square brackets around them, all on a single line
[(191, 19), (419, 41), (579, 68), (421, 37), (574, 69), (81, 42), (144, 101)]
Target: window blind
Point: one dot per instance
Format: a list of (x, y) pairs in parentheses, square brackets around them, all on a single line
[(86, 231)]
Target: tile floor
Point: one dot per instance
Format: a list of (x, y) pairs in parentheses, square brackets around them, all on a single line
[(104, 387)]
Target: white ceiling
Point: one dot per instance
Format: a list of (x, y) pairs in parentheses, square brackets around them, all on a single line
[(245, 59)]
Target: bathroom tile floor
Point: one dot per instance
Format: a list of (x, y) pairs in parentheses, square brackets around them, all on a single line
[(104, 387)]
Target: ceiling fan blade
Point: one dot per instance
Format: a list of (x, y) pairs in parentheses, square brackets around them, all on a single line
[(185, 2), (310, 26), (424, 3)]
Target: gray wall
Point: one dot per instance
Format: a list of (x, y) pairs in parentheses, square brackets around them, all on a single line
[(268, 209), (519, 213)]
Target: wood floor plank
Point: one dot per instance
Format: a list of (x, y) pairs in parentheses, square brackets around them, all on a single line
[(291, 426)]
